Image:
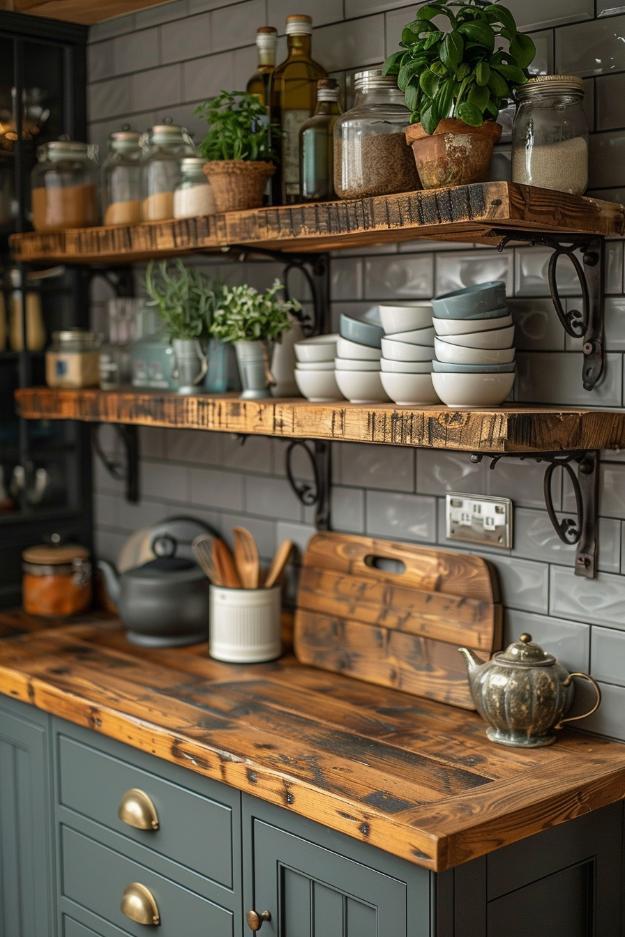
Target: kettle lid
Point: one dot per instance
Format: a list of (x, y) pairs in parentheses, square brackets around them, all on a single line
[(164, 548), (526, 653)]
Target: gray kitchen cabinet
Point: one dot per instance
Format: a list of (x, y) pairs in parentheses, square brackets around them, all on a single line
[(26, 871)]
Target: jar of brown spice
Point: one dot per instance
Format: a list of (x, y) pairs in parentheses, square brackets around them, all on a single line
[(56, 579), (64, 186)]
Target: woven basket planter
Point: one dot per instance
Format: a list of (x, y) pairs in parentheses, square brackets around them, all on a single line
[(238, 184)]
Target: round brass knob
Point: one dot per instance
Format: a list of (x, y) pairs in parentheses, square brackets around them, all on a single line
[(139, 905), (255, 920), (138, 810)]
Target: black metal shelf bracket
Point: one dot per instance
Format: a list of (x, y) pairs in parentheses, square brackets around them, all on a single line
[(316, 492), (125, 469), (587, 322), (581, 529)]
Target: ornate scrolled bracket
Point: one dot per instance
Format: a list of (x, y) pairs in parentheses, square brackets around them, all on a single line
[(127, 468), (316, 491)]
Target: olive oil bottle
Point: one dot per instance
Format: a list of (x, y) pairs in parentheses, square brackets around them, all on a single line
[(261, 81), (317, 145)]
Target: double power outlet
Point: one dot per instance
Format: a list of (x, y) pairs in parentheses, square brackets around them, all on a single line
[(480, 520)]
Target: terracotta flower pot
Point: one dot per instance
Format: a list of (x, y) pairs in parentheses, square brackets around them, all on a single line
[(455, 154), (238, 184)]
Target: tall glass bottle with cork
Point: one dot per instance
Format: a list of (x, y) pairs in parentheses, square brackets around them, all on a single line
[(293, 101), (317, 145), (261, 81)]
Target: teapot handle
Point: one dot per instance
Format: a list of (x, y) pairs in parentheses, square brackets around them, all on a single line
[(594, 707)]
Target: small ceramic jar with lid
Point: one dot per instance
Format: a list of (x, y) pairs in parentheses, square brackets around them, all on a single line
[(121, 179), (56, 580), (64, 186), (164, 147), (73, 359), (193, 195)]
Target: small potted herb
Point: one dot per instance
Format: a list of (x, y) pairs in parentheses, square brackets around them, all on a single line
[(252, 321), (456, 77), (238, 149)]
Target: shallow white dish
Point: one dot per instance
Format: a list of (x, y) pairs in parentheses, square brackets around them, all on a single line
[(317, 348), (463, 326), (350, 364), (409, 389), (361, 386), (347, 349), (406, 367), (460, 354), (498, 338), (404, 351), (415, 337), (473, 390), (403, 317), (318, 386), (315, 365)]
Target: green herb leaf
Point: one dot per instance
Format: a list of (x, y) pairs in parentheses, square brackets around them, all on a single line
[(444, 98), (393, 62), (479, 32), (497, 13), (408, 70), (511, 73), (478, 96), (482, 73), (523, 49), (428, 83), (430, 118), (428, 11), (470, 114), (498, 85), (451, 51)]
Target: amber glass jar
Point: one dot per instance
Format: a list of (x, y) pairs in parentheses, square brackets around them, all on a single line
[(56, 580)]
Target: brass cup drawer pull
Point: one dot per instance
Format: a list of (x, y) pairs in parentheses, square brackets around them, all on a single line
[(139, 905), (255, 920), (137, 809)]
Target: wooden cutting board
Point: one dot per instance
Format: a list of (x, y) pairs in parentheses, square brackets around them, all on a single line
[(395, 614)]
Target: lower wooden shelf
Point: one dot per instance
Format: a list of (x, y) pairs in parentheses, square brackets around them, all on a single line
[(514, 429)]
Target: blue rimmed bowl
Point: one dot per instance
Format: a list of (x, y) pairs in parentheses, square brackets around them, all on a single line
[(472, 302), (365, 331)]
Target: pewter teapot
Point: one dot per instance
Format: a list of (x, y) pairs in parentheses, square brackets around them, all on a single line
[(523, 693)]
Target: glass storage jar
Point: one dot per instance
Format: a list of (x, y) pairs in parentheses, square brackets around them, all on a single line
[(64, 186), (56, 579), (550, 134), (121, 179), (193, 195), (73, 359), (164, 147), (371, 156)]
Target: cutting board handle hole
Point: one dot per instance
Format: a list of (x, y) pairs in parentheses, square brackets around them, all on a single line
[(385, 563)]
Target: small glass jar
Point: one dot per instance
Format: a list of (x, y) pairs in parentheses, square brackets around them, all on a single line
[(316, 144), (64, 186), (371, 156), (73, 359), (164, 148), (550, 134), (121, 179), (56, 580), (193, 195)]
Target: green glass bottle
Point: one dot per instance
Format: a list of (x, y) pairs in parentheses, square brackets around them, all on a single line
[(317, 145)]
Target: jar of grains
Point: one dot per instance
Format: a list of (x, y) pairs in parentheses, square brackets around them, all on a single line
[(73, 359), (165, 146), (371, 156), (121, 179), (550, 134), (193, 195), (64, 186)]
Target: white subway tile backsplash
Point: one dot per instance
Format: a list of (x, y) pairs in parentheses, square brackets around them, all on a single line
[(186, 38), (608, 720), (108, 98), (607, 159), (591, 48), (159, 86), (535, 538), (599, 601), (346, 279), (250, 454), (607, 654), (352, 44), (322, 11), (522, 480), (530, 268), (524, 584), (610, 97), (212, 488), (136, 52), (162, 13), (612, 490), (271, 497), (439, 472), (385, 467), (204, 78), (567, 640), (394, 23), (556, 378), (537, 325), (348, 509), (398, 276), (300, 534), (190, 445), (532, 14), (164, 480), (100, 60), (401, 516), (236, 25), (465, 268)]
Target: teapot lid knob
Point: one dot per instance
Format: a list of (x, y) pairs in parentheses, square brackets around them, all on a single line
[(525, 638)]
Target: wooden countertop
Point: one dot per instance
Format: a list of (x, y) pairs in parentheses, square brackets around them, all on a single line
[(415, 778)]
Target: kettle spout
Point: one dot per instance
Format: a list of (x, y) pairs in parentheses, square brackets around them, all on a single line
[(111, 580), (472, 660)]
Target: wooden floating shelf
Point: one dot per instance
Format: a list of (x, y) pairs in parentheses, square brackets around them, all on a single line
[(478, 213), (513, 429)]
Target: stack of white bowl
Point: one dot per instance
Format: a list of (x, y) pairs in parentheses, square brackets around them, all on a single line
[(358, 358), (474, 365), (314, 372), (408, 349)]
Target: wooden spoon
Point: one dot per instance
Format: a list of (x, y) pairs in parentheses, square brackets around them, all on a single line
[(278, 563), (246, 556), (202, 550), (223, 561)]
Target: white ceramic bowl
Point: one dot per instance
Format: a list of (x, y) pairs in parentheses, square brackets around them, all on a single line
[(317, 348), (350, 364), (460, 354), (406, 367), (315, 365), (415, 337), (409, 389), (404, 351), (404, 317), (473, 390), (462, 326), (361, 386), (347, 349), (318, 386), (498, 338)]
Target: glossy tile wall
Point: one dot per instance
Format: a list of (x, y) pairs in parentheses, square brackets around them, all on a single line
[(161, 62)]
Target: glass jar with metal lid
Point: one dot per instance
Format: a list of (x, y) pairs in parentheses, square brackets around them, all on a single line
[(371, 156), (64, 186), (121, 179), (56, 579), (73, 359), (550, 134), (193, 195), (164, 147)]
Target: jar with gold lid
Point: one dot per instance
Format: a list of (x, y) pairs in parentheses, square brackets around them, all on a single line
[(56, 579)]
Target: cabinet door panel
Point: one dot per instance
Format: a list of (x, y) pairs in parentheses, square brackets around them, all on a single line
[(559, 905)]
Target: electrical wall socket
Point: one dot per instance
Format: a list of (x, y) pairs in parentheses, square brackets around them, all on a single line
[(480, 520)]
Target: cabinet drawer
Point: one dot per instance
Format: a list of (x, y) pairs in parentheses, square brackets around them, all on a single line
[(95, 877), (72, 928), (193, 830)]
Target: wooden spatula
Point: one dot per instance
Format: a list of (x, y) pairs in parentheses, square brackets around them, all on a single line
[(246, 556), (278, 563), (223, 561)]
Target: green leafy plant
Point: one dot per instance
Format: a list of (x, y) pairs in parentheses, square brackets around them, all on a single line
[(468, 69), (245, 314), (185, 298), (238, 128)]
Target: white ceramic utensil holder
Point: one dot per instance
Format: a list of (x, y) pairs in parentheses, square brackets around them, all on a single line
[(245, 624)]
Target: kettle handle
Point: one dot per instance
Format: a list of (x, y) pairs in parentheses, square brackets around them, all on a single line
[(594, 707)]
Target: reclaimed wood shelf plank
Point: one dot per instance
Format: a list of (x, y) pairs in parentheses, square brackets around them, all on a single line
[(473, 213), (513, 429)]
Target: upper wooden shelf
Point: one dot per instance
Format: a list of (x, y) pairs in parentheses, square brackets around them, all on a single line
[(479, 213), (78, 11), (513, 429)]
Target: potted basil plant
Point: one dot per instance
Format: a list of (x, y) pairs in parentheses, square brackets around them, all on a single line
[(459, 64), (237, 148), (253, 321)]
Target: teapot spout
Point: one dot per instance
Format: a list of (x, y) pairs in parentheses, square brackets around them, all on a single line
[(111, 580), (472, 660)]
